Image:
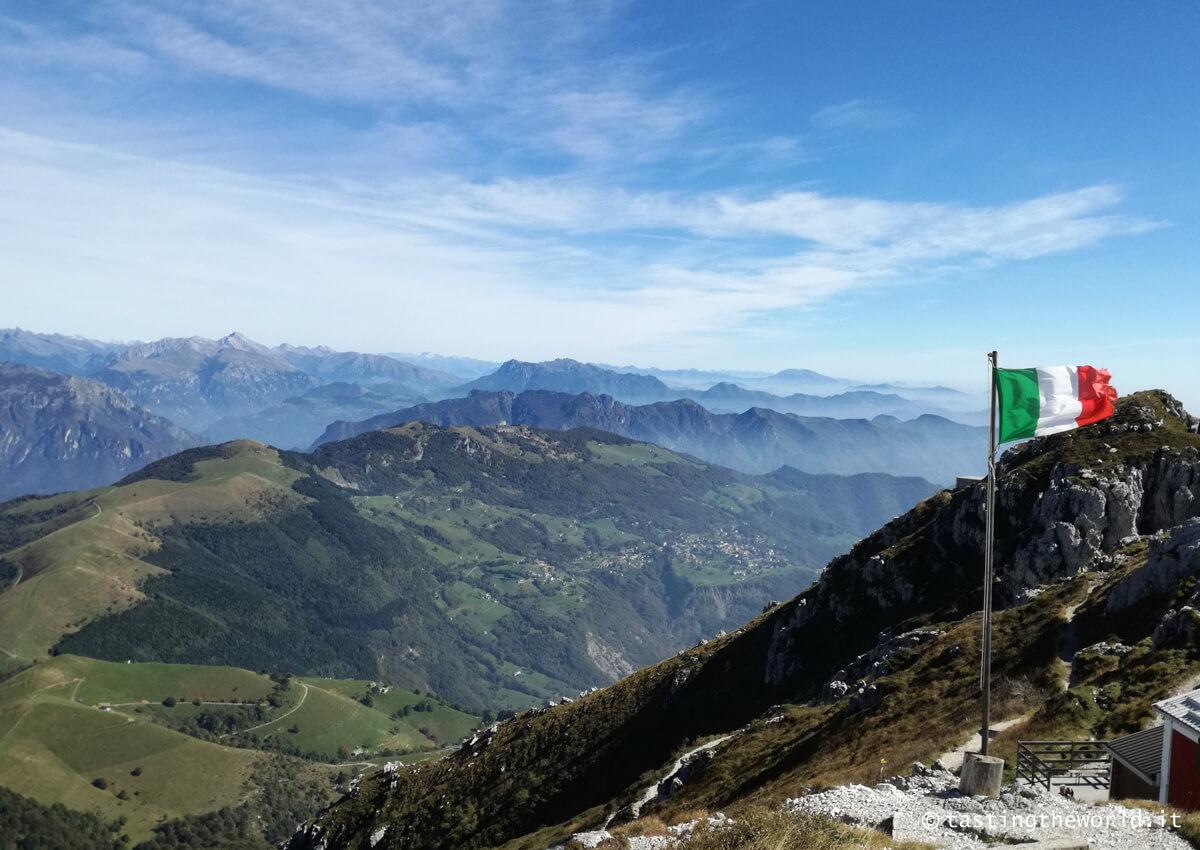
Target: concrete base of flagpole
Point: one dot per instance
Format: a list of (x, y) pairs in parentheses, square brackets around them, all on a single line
[(981, 776)]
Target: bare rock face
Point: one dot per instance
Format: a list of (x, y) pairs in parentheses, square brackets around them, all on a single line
[(61, 433), (1172, 558), (1090, 655), (780, 663), (1067, 535), (1180, 628), (1066, 505), (609, 660), (1082, 517), (1176, 492), (891, 654), (866, 698)]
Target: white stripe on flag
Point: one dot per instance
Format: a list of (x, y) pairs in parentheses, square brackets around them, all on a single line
[(1058, 391)]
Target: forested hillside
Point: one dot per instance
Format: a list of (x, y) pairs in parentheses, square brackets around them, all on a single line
[(495, 567)]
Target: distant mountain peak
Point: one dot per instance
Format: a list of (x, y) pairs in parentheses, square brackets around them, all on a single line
[(806, 375), (571, 376), (237, 339), (758, 439)]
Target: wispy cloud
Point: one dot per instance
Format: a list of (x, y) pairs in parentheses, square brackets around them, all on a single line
[(859, 115), (494, 177), (24, 44), (468, 264), (527, 74)]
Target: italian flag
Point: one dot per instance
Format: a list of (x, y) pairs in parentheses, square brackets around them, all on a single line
[(1050, 399)]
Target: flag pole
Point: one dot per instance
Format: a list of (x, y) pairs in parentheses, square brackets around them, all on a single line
[(985, 671)]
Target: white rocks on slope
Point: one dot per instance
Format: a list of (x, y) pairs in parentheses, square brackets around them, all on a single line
[(1173, 557), (675, 833), (927, 807)]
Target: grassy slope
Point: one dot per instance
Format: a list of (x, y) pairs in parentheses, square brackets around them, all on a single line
[(55, 740), (94, 564), (328, 721), (52, 748), (447, 724)]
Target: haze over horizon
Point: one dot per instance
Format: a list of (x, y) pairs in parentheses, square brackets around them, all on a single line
[(717, 187)]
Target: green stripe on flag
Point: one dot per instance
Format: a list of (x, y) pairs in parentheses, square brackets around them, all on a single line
[(1019, 403)]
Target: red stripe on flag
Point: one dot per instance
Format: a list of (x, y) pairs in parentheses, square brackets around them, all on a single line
[(1095, 394)]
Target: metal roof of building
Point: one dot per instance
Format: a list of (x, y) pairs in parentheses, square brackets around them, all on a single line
[(1183, 709), (1141, 752)]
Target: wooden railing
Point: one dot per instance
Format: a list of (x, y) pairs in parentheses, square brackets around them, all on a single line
[(1081, 762)]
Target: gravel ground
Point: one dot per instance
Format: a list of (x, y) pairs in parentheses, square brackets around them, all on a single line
[(927, 807)]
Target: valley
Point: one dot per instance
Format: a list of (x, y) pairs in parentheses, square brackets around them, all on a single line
[(216, 641)]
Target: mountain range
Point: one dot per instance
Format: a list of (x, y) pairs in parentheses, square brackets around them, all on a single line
[(331, 366), (286, 395), (463, 368), (493, 566), (196, 381), (851, 404), (758, 440), (66, 433), (870, 673), (721, 392), (67, 355)]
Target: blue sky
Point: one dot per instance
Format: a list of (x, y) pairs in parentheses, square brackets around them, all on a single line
[(875, 190)]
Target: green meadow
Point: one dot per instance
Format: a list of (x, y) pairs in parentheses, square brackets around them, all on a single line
[(68, 722)]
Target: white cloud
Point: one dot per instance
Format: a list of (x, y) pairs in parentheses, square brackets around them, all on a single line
[(23, 44), (525, 266), (525, 73), (859, 115)]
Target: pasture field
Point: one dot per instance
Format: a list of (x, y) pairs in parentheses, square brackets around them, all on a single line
[(448, 725), (52, 748), (326, 722), (68, 721)]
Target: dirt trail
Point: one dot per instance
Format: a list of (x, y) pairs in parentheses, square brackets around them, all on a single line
[(287, 713), (953, 759)]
